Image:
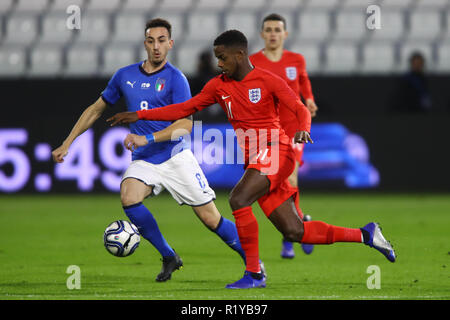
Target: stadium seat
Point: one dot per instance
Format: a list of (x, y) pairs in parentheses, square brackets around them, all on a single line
[(254, 5), (104, 6), (424, 25), (434, 4), (212, 5), (243, 21), (95, 29), (21, 29), (311, 53), (396, 4), (276, 5), (82, 61), (202, 27), (355, 4), (446, 31), (62, 5), (46, 61), (116, 57), (350, 25), (129, 28), (443, 61), (137, 6), (54, 29), (313, 26), (13, 61), (6, 6), (409, 47), (378, 58), (341, 58), (392, 26), (187, 58), (35, 6), (176, 5), (323, 4)]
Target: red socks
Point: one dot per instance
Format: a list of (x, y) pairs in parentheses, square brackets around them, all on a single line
[(318, 232), (247, 228)]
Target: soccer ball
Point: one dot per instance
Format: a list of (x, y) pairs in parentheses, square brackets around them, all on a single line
[(121, 238)]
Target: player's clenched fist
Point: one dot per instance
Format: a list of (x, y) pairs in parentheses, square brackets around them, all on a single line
[(59, 153), (123, 118), (133, 141), (303, 137)]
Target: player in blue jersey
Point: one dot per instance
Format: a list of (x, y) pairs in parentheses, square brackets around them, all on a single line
[(165, 163)]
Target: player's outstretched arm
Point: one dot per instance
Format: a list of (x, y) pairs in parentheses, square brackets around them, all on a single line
[(175, 130), (86, 120), (123, 118), (170, 112)]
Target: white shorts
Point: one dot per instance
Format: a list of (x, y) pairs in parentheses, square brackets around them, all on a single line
[(181, 175)]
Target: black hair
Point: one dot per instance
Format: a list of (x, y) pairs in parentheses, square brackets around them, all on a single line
[(274, 17), (158, 22), (232, 38), (416, 55)]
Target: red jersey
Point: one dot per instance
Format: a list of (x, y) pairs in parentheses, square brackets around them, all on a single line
[(251, 105), (291, 68)]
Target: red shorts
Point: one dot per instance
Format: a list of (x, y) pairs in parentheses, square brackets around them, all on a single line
[(277, 168)]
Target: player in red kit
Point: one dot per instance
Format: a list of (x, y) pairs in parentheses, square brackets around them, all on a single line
[(249, 96), (291, 67)]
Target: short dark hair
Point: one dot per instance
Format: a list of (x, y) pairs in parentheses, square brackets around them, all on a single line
[(232, 38), (158, 22), (416, 55), (274, 17)]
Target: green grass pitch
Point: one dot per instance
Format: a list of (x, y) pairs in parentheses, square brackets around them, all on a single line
[(42, 235)]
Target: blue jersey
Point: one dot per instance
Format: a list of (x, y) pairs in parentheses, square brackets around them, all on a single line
[(143, 90)]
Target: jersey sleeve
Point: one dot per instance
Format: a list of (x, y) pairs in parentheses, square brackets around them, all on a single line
[(303, 80), (112, 92), (289, 99), (183, 109)]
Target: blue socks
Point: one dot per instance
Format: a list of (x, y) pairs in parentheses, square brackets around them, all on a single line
[(227, 231), (142, 218)]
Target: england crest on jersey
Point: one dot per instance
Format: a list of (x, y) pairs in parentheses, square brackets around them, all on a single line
[(291, 73), (254, 95)]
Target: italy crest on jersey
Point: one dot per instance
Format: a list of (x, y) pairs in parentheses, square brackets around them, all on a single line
[(254, 95), (291, 73), (160, 84)]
